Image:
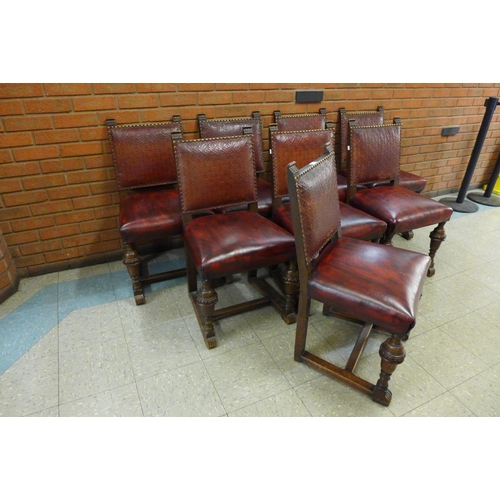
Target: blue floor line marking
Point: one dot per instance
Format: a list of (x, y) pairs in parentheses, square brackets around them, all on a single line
[(21, 329)]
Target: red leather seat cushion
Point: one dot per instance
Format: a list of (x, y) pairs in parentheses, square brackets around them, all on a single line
[(235, 242), (402, 209), (353, 222), (150, 215), (372, 282)]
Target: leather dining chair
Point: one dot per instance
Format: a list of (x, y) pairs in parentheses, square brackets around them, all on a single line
[(303, 147), (215, 174), (367, 283), (150, 209), (375, 156), (227, 127), (407, 180), (308, 121)]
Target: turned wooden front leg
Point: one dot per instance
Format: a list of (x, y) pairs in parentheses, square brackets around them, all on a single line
[(132, 261), (437, 236), (291, 287), (206, 298), (392, 353)]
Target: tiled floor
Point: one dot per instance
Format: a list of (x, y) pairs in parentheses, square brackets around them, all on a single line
[(73, 343)]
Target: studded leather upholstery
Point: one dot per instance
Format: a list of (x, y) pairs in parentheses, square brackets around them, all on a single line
[(230, 127), (302, 147), (407, 180)]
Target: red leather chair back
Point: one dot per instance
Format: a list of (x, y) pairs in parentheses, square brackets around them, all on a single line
[(143, 154), (302, 147), (363, 118), (375, 153), (215, 173), (318, 217), (234, 126), (300, 122)]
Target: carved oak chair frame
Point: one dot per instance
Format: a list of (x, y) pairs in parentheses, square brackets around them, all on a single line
[(368, 283), (228, 127), (150, 210), (375, 156), (215, 174)]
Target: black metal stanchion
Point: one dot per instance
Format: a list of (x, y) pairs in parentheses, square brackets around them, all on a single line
[(486, 198), (460, 204)]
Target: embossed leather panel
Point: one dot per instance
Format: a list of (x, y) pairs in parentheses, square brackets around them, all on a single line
[(377, 283), (302, 147), (150, 215), (402, 209), (363, 118), (143, 154), (232, 127), (300, 122), (236, 242), (215, 173), (375, 153), (314, 188)]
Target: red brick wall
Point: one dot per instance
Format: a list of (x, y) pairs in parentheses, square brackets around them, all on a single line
[(58, 196), (9, 279)]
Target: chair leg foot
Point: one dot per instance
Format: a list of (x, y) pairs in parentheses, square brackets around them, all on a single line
[(437, 236), (407, 235), (392, 353), (206, 298), (132, 262), (140, 299)]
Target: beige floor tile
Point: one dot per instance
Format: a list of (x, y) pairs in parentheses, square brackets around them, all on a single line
[(118, 402), (444, 358), (468, 291), (231, 333), (284, 404), (159, 308), (30, 385), (445, 405), (491, 313), (49, 412), (185, 392), (90, 325), (281, 349), (161, 349), (439, 307), (245, 376), (481, 394), (95, 368), (477, 335)]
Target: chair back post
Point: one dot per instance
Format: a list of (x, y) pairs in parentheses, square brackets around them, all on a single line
[(305, 267)]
